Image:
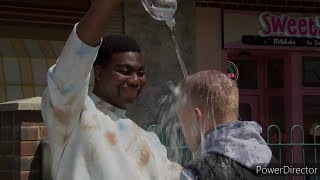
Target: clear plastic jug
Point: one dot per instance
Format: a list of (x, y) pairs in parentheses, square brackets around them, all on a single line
[(162, 10)]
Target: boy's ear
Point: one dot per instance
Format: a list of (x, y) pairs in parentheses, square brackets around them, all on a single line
[(97, 72), (200, 120), (199, 115)]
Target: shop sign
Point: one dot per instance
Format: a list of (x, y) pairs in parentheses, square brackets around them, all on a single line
[(271, 30), (284, 30), (280, 41), (285, 25), (232, 71)]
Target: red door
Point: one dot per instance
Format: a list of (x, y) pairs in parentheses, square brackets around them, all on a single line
[(262, 87)]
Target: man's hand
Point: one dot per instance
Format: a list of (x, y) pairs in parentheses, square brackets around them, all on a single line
[(92, 26)]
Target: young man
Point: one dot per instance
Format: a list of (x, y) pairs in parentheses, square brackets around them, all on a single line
[(90, 136), (225, 148)]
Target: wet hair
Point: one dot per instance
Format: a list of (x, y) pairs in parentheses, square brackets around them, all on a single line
[(213, 91), (115, 44)]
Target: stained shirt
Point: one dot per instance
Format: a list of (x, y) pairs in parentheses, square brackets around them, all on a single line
[(89, 138)]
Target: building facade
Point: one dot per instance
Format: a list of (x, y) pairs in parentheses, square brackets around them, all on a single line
[(272, 49)]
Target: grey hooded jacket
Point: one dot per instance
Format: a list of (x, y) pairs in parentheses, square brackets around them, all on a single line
[(231, 151)]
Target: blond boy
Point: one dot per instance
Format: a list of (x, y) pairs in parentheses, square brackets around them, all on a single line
[(225, 148)]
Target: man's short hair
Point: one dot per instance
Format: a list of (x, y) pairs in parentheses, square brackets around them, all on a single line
[(115, 44), (213, 91)]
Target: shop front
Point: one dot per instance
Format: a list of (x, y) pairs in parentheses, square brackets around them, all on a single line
[(275, 58)]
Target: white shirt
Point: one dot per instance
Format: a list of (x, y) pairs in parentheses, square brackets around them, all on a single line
[(89, 138)]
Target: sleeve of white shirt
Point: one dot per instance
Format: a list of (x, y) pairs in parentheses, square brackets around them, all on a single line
[(68, 82)]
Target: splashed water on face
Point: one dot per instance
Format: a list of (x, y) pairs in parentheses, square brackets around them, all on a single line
[(171, 133)]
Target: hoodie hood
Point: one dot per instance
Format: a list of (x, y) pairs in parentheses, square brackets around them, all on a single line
[(240, 141)]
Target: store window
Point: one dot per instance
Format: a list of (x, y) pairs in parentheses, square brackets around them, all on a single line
[(276, 112), (275, 73), (248, 78), (311, 115), (311, 119), (245, 112), (311, 71)]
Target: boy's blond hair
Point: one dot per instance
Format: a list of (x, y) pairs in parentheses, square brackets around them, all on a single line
[(214, 92)]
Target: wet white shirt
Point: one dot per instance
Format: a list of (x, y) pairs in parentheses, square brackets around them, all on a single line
[(89, 138)]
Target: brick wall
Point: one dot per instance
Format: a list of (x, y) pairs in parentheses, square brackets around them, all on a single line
[(20, 153), (306, 6)]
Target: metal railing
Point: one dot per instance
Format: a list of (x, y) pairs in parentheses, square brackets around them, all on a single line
[(286, 151), (293, 145)]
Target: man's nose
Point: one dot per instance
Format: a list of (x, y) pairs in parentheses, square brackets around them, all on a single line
[(134, 79)]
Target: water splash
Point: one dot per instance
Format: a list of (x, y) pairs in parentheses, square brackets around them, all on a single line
[(172, 136), (164, 10), (169, 123), (171, 24)]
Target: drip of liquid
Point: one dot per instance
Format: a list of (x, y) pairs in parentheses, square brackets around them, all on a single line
[(171, 24), (163, 10)]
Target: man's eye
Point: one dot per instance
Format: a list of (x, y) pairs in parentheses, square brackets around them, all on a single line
[(141, 73), (124, 71)]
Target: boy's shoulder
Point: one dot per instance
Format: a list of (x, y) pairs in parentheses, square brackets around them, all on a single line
[(210, 166), (219, 167)]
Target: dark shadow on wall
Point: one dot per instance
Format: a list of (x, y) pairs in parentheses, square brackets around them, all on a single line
[(35, 166)]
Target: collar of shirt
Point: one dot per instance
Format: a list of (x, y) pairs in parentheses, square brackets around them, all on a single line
[(106, 108)]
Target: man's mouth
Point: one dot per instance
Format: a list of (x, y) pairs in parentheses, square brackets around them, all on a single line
[(134, 90)]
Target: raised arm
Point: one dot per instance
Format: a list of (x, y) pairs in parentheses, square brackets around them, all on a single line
[(92, 26), (68, 79)]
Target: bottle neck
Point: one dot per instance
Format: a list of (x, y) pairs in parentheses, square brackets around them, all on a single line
[(171, 24)]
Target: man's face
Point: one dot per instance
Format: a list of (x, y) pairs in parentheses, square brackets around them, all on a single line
[(122, 79)]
